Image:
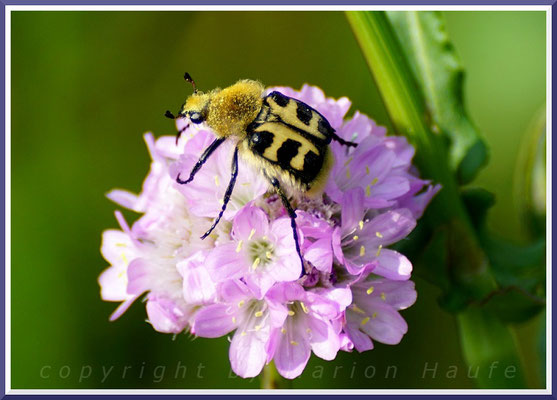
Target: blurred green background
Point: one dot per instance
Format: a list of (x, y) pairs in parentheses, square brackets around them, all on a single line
[(87, 85)]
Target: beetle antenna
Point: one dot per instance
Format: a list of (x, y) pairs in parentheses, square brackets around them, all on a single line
[(189, 79)]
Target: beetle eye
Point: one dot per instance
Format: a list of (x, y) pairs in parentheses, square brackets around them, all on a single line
[(196, 118)]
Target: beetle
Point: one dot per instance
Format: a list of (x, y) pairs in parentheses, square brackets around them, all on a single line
[(283, 137)]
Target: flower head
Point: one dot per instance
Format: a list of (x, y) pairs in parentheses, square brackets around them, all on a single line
[(260, 252), (244, 279)]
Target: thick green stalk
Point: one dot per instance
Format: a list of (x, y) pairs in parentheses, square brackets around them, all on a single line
[(409, 115), (467, 263), (404, 102)]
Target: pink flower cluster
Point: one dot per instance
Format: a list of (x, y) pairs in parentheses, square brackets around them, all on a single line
[(244, 279)]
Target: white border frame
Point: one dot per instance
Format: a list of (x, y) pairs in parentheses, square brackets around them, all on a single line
[(10, 391)]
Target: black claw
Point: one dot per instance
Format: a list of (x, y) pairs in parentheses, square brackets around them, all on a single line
[(181, 182), (208, 151)]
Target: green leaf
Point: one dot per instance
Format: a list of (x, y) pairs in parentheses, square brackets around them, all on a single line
[(513, 304), (520, 274), (440, 75), (530, 176), (516, 265), (478, 201), (469, 273), (489, 346), (431, 263), (541, 348), (405, 104)]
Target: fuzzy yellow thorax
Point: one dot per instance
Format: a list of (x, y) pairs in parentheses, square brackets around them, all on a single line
[(229, 111)]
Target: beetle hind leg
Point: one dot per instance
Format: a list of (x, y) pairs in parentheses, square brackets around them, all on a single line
[(337, 138), (292, 215)]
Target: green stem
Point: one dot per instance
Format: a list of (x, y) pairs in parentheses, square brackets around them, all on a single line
[(410, 117), (468, 266), (271, 379), (489, 347), (404, 102)]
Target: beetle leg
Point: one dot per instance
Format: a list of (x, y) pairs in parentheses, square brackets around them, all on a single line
[(342, 141), (179, 133), (168, 114), (292, 214), (206, 154), (228, 193)]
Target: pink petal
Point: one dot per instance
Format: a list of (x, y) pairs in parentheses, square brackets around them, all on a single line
[(248, 218), (283, 233), (341, 296), (247, 354), (123, 198), (122, 308), (224, 262), (378, 161), (198, 287), (277, 313), (357, 128), (387, 228), (259, 283), (345, 343), (393, 265), (286, 291), (232, 291), (398, 294), (361, 341), (215, 320), (328, 348), (292, 353), (352, 209), (113, 284), (320, 254), (326, 308), (286, 269), (388, 189), (312, 226), (166, 316), (336, 243), (386, 325), (139, 276), (404, 151), (417, 204), (117, 248)]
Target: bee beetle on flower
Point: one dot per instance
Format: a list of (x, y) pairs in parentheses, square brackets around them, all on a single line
[(283, 137), (244, 280)]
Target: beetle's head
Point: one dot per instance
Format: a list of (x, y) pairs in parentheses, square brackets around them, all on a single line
[(195, 108)]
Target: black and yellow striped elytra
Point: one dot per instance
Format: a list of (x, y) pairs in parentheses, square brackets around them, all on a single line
[(283, 137), (292, 136)]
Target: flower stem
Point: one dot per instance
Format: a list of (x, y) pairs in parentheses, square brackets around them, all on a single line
[(467, 264), (270, 378), (404, 102), (410, 117)]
